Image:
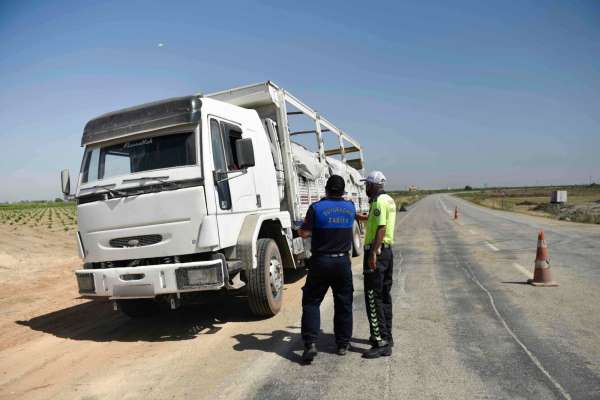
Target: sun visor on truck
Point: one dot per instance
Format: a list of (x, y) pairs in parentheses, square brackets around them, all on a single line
[(149, 116)]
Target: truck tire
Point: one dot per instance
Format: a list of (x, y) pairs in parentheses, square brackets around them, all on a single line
[(138, 308), (265, 282), (357, 247)]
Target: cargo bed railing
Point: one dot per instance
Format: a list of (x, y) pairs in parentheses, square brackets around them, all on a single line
[(259, 95), (323, 125)]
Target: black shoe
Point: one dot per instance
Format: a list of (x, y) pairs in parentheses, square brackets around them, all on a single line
[(310, 351), (342, 350), (378, 351)]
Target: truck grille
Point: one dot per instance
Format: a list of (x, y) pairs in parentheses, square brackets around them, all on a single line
[(135, 241)]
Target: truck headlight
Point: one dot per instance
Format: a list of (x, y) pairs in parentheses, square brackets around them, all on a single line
[(202, 276), (193, 277)]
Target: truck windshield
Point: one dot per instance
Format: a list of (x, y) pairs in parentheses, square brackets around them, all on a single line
[(174, 150)]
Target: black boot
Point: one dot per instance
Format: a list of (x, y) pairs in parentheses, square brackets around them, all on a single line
[(310, 351), (374, 342), (342, 349), (379, 350)]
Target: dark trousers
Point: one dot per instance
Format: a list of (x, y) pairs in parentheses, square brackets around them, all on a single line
[(326, 272), (378, 285)]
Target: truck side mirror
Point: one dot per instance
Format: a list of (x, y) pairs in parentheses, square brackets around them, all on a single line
[(65, 181), (245, 153)]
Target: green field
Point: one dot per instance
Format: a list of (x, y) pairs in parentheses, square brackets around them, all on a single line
[(46, 215), (583, 202)]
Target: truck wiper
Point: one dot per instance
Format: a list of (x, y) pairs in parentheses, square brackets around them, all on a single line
[(109, 190), (161, 179)]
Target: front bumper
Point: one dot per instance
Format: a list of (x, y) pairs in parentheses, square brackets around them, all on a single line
[(151, 280)]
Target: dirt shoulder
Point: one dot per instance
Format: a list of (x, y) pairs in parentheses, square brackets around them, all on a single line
[(55, 345), (583, 202)]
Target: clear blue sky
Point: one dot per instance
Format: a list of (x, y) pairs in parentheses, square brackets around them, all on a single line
[(440, 93)]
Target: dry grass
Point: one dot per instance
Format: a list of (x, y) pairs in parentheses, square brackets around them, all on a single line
[(406, 198), (582, 204)]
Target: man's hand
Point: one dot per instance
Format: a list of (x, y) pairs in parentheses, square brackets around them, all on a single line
[(304, 233), (362, 216), (376, 247), (373, 260)]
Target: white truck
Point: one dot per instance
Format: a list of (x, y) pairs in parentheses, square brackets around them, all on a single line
[(201, 193)]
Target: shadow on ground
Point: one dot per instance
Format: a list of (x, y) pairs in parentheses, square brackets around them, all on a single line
[(97, 321), (288, 344)]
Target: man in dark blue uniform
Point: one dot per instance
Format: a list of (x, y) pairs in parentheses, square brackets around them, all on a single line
[(330, 223)]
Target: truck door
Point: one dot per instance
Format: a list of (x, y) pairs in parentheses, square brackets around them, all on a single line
[(234, 189)]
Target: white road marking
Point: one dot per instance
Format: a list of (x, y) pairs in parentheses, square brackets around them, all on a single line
[(444, 206), (533, 358), (491, 246), (410, 210), (398, 222), (522, 270)]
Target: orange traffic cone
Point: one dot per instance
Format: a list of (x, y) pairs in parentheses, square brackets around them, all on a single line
[(455, 212), (542, 275)]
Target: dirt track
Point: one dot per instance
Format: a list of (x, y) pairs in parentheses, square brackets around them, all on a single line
[(55, 345), (466, 325)]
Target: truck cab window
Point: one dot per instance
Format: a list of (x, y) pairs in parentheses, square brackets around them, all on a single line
[(231, 134), (147, 154), (90, 165), (116, 163), (217, 146), (216, 139), (223, 137)]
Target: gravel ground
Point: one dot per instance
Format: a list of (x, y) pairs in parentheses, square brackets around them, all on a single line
[(466, 325)]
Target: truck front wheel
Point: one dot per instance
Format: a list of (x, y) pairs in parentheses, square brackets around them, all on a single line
[(138, 308), (265, 282)]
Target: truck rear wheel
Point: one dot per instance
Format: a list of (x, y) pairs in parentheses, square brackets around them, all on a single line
[(265, 282), (138, 308), (357, 247)]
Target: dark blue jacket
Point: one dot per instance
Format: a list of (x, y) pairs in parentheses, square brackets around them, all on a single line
[(331, 221)]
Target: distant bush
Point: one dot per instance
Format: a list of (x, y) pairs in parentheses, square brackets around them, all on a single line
[(468, 187), (527, 203)]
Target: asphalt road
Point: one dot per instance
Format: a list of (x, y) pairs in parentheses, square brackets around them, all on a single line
[(466, 327), (466, 324)]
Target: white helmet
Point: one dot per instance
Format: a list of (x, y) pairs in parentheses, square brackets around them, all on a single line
[(376, 177)]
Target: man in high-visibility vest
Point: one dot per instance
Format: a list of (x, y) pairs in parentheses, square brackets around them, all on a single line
[(378, 265)]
